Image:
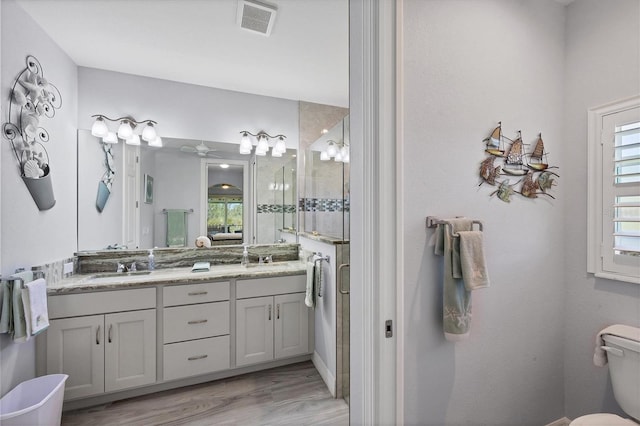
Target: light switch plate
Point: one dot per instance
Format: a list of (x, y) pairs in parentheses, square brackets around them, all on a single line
[(67, 268)]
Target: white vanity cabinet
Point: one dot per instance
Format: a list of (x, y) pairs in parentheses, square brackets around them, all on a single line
[(104, 341), (195, 329), (272, 321)]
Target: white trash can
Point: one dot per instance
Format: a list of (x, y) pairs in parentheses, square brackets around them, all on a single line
[(34, 402)]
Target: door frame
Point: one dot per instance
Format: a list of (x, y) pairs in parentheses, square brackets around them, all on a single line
[(376, 209)]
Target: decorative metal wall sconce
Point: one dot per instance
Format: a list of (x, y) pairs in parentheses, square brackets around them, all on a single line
[(533, 166), (32, 98), (126, 131), (262, 147), (340, 154)]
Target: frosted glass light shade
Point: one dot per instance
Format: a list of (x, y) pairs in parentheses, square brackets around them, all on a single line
[(149, 133), (110, 138), (324, 156), (125, 130), (263, 146), (280, 147), (332, 150), (245, 144), (99, 128), (156, 142), (133, 140), (338, 157), (275, 153)]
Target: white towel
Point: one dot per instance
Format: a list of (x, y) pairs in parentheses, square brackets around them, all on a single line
[(473, 265), (310, 297), (34, 297), (620, 330)]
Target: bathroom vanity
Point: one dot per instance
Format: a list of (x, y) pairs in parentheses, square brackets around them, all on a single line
[(123, 335)]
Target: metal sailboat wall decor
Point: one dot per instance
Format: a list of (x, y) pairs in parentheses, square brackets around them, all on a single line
[(536, 179)]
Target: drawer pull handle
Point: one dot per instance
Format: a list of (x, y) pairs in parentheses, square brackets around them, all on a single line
[(278, 311), (98, 335), (197, 321), (193, 358), (197, 293), (110, 329)]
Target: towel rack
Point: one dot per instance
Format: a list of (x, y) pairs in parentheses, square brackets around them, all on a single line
[(316, 255), (177, 210), (36, 274), (434, 221)]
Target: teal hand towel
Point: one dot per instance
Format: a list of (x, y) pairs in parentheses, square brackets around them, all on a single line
[(176, 228), (456, 300)]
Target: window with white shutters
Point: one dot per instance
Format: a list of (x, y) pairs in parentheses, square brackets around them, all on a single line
[(614, 191)]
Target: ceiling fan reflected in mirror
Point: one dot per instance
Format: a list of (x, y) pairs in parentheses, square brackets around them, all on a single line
[(201, 149)]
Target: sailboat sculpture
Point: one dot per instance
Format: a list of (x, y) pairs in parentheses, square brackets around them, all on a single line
[(538, 156), (514, 158), (494, 142)]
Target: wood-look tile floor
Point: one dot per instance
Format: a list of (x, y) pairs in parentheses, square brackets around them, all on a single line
[(289, 395)]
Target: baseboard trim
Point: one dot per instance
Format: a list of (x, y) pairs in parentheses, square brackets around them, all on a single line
[(560, 422), (326, 375)]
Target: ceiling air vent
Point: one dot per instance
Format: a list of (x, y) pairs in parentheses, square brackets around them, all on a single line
[(256, 16)]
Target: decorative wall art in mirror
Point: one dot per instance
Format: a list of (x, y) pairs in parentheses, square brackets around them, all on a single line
[(104, 186), (148, 189), (181, 181), (32, 98)]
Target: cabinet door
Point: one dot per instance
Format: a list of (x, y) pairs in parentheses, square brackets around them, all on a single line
[(291, 325), (130, 349), (75, 346), (254, 330)]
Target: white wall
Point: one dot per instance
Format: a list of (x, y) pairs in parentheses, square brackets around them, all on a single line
[(325, 310), (602, 65), (31, 237), (467, 65), (183, 110)]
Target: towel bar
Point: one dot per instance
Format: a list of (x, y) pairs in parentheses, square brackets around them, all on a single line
[(433, 221), (316, 255), (177, 210), (36, 274)]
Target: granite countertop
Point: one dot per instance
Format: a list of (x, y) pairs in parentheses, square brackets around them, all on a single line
[(107, 281)]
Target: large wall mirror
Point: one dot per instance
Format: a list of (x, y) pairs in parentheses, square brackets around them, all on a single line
[(247, 200)]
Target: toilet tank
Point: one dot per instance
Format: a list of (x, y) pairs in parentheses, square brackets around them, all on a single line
[(624, 368)]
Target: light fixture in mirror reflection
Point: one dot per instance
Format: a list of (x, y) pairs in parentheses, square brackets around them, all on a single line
[(262, 146), (178, 184)]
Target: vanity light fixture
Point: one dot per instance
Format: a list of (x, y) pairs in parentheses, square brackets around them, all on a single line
[(126, 131), (262, 146), (339, 154)]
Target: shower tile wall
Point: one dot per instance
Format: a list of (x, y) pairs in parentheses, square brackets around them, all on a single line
[(275, 196), (321, 201)]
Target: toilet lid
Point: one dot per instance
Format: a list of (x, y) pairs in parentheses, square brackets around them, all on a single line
[(602, 420)]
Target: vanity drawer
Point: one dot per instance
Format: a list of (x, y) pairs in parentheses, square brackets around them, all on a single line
[(270, 286), (73, 305), (186, 294), (196, 357), (195, 321)]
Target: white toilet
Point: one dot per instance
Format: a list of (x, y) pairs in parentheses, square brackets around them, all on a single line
[(623, 356)]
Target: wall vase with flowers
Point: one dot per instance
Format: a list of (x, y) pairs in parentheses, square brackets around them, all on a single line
[(33, 99)]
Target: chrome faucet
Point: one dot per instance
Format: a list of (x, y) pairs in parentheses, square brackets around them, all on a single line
[(269, 259), (133, 267), (121, 267)]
